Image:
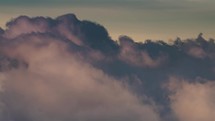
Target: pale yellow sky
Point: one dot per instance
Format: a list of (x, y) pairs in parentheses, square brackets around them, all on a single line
[(137, 20)]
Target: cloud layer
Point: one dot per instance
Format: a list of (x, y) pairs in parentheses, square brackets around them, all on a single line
[(65, 69)]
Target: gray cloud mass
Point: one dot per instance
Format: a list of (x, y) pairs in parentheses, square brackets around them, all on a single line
[(66, 69)]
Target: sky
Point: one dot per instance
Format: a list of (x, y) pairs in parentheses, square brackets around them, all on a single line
[(139, 19)]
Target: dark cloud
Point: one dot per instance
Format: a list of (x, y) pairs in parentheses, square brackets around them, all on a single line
[(1, 31), (70, 69)]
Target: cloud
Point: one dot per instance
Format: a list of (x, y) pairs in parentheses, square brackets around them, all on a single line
[(131, 54), (57, 84), (192, 101), (66, 69)]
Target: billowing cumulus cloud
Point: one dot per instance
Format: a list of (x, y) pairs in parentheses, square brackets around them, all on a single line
[(63, 69), (58, 86), (50, 82)]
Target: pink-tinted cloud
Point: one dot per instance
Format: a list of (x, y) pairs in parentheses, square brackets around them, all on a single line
[(192, 101)]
